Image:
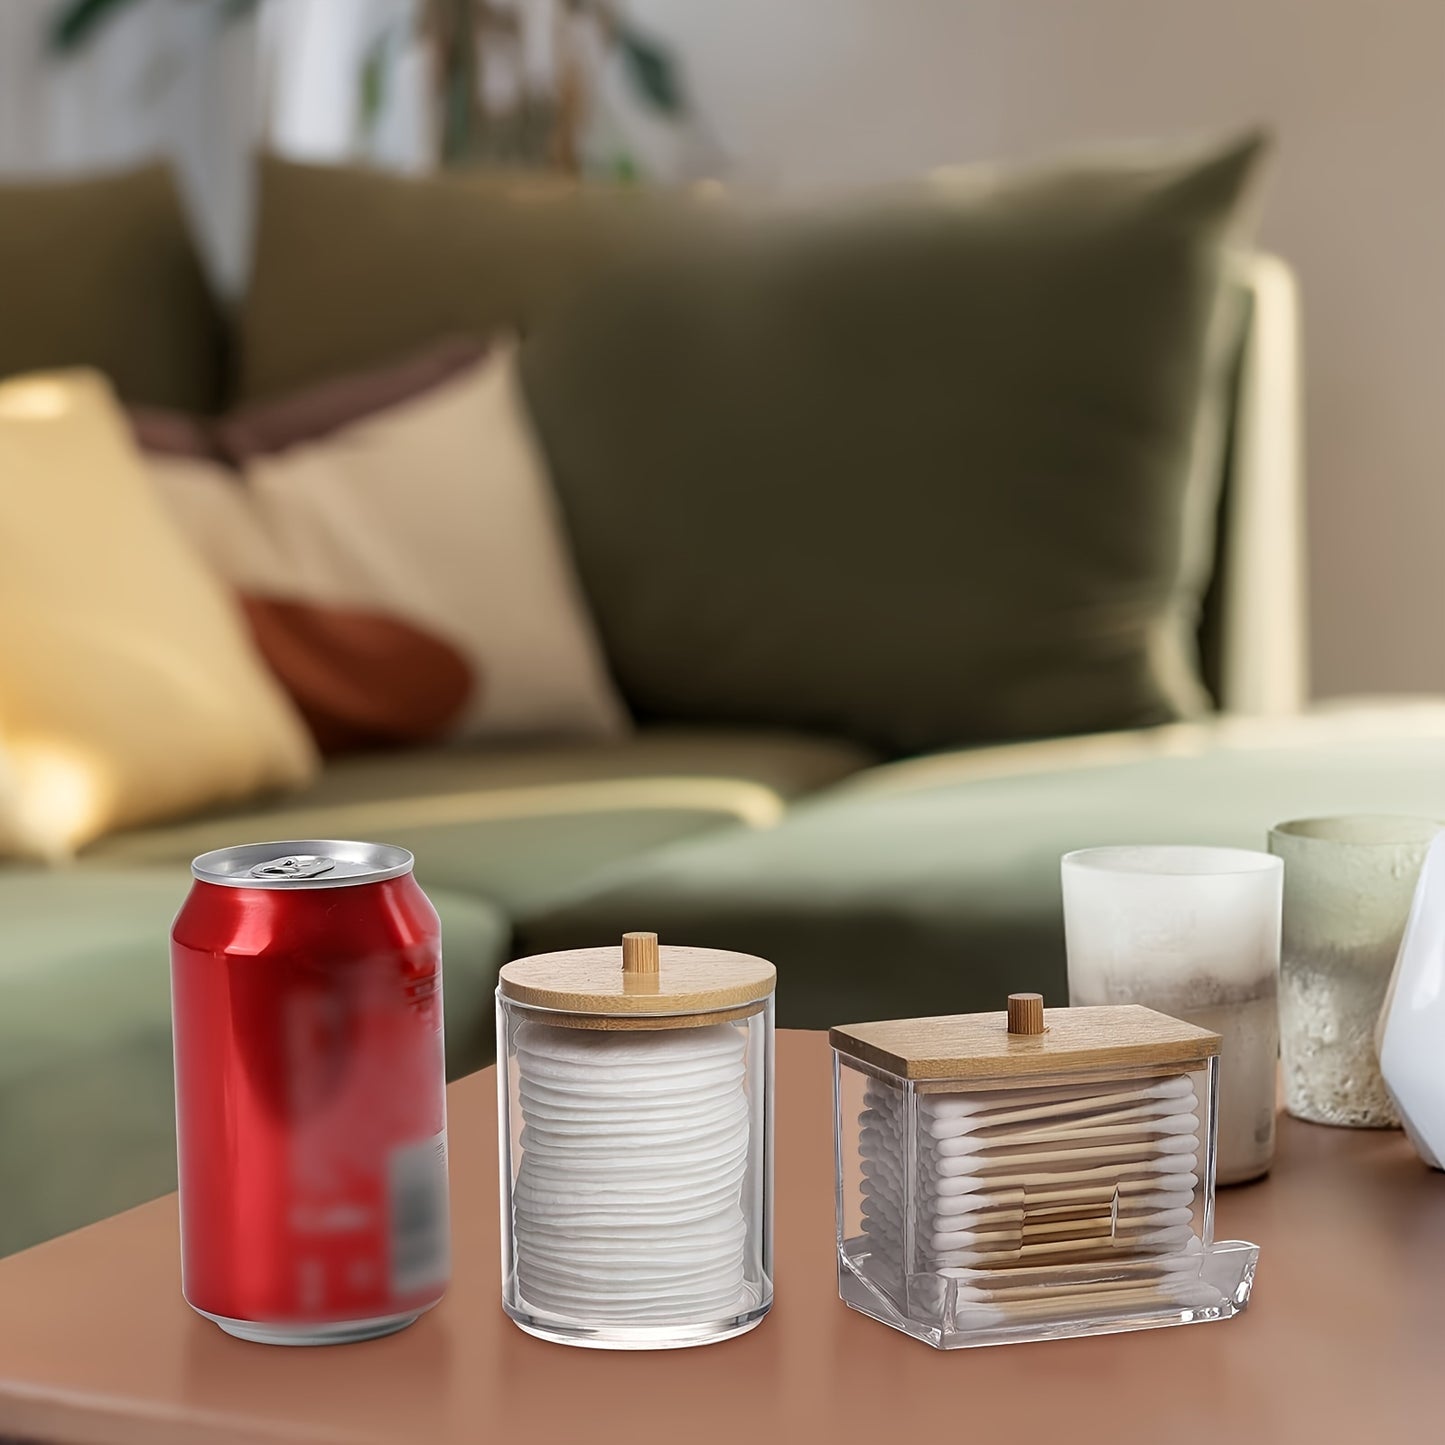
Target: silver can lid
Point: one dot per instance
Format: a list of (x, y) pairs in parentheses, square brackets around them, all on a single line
[(302, 863)]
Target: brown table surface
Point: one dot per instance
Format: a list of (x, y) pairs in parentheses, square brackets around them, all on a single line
[(1342, 1342)]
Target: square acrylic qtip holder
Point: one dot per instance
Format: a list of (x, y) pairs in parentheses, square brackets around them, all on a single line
[(1031, 1175)]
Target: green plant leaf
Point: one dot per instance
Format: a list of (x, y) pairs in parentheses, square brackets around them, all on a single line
[(371, 87), (72, 24), (652, 71)]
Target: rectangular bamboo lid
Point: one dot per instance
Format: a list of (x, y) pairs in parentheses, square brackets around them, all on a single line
[(1026, 1041)]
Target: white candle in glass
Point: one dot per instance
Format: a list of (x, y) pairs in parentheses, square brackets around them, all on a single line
[(1193, 932)]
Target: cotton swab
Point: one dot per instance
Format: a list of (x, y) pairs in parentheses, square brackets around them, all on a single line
[(1013, 1186)]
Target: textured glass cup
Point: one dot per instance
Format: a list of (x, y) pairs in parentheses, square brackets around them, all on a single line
[(1348, 883), (1192, 932)]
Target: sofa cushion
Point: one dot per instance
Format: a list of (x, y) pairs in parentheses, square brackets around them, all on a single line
[(914, 892), (131, 688), (352, 266), (396, 545), (101, 272), (525, 825), (918, 474), (86, 1093)]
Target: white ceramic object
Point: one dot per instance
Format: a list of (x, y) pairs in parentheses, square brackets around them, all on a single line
[(1411, 1033)]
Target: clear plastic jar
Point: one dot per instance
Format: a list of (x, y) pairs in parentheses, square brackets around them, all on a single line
[(1000, 1184), (635, 1105)]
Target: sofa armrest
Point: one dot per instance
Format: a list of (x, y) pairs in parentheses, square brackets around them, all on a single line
[(1264, 623)]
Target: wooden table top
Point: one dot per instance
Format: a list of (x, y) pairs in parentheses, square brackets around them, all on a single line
[(1341, 1343)]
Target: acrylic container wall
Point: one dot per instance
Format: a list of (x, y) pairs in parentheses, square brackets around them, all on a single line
[(636, 1152), (993, 1208)]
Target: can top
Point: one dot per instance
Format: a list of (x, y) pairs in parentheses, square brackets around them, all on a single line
[(302, 863)]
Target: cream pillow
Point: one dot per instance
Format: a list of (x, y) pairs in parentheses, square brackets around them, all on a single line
[(129, 690), (395, 543)]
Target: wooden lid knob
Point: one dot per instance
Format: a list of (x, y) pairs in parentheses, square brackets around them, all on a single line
[(639, 953), (1026, 1013)]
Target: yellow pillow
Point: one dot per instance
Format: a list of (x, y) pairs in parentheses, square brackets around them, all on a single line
[(129, 689)]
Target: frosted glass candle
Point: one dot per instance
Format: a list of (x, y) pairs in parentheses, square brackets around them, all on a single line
[(1192, 932), (1348, 883)]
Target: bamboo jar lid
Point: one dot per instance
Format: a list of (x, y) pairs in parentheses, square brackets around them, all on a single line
[(640, 985), (1027, 1041)]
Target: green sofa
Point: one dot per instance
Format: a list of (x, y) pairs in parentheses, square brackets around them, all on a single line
[(878, 884)]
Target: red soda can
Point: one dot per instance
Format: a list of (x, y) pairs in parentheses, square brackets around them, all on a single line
[(306, 1000)]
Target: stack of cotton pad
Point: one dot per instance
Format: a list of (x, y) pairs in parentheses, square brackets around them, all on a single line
[(628, 1199), (1015, 1184)]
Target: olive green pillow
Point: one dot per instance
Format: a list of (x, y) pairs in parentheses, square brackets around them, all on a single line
[(355, 267), (101, 272), (917, 472)]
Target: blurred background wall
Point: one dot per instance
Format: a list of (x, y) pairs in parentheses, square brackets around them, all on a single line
[(822, 93)]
